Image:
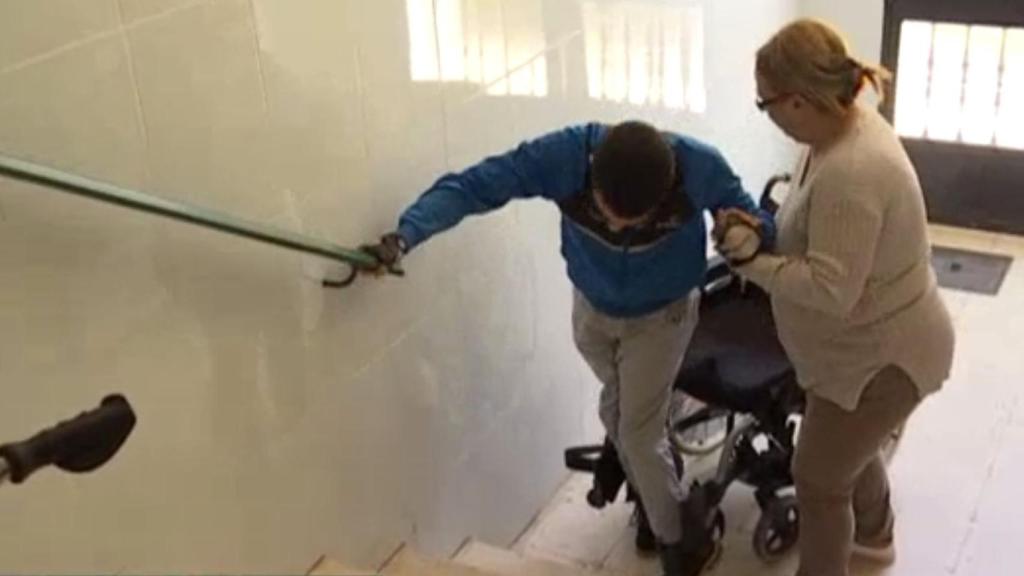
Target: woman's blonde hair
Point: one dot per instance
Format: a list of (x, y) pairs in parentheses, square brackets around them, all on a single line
[(810, 58)]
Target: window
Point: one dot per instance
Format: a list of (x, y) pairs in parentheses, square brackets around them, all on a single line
[(645, 54), (961, 83), (498, 44)]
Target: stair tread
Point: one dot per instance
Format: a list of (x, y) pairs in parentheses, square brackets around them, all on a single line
[(474, 559), (409, 563), (502, 562), (328, 567)]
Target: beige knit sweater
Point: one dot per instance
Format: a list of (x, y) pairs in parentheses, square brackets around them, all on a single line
[(851, 283)]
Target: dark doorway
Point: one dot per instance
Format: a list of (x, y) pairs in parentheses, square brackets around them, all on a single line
[(958, 104)]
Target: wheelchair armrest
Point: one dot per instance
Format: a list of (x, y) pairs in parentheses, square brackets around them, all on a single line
[(718, 276), (718, 268)]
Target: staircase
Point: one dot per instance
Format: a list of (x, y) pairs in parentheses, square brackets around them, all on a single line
[(473, 559), (563, 535), (571, 539)]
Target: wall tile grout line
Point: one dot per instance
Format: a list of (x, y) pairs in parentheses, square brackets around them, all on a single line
[(42, 57), (147, 19), (123, 28), (140, 112), (361, 90), (258, 54), (382, 353)]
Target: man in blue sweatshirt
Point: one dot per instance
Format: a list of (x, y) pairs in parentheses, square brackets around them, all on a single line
[(634, 241)]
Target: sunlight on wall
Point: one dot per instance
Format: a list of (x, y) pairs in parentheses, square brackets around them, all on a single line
[(646, 54), (498, 44)]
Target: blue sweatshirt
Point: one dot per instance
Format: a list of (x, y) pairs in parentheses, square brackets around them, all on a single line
[(622, 274)]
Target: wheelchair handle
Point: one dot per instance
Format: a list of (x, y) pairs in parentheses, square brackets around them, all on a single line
[(583, 458), (767, 203), (81, 444)]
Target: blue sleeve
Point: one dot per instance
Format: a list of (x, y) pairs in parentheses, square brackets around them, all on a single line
[(726, 191), (553, 166)]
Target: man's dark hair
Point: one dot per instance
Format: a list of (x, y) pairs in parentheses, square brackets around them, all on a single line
[(633, 168)]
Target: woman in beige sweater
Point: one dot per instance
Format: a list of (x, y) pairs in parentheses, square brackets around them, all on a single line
[(854, 295)]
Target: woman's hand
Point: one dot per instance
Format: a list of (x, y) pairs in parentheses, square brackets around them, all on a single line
[(737, 235)]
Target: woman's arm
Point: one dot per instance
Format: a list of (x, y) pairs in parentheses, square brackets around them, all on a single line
[(844, 223)]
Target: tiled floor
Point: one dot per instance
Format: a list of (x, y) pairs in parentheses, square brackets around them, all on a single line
[(957, 474)]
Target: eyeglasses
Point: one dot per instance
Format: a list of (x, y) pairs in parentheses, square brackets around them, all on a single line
[(764, 103)]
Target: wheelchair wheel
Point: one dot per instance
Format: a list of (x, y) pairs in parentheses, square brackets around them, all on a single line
[(777, 529)]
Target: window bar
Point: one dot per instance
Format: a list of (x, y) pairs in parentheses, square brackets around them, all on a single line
[(964, 77), (931, 77), (1000, 81)]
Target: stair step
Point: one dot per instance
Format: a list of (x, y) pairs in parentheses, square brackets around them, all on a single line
[(328, 567), (502, 562), (408, 563), (474, 559)]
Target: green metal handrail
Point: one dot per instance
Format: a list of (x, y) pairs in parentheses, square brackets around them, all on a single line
[(29, 172)]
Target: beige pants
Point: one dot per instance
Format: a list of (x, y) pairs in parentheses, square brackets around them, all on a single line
[(841, 483), (636, 360)]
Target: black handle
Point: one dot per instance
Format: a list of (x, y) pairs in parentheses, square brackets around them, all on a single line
[(81, 444), (767, 203), (583, 458)]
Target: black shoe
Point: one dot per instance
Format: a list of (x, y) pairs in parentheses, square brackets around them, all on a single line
[(677, 561), (646, 544), (699, 549)]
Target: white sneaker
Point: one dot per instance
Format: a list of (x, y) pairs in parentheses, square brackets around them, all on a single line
[(884, 554)]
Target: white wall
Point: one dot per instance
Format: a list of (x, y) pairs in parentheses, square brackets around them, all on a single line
[(277, 420), (860, 22)]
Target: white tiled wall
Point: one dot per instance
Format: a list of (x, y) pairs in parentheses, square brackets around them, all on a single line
[(277, 420)]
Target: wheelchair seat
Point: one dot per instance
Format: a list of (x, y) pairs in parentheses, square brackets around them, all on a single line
[(735, 360)]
